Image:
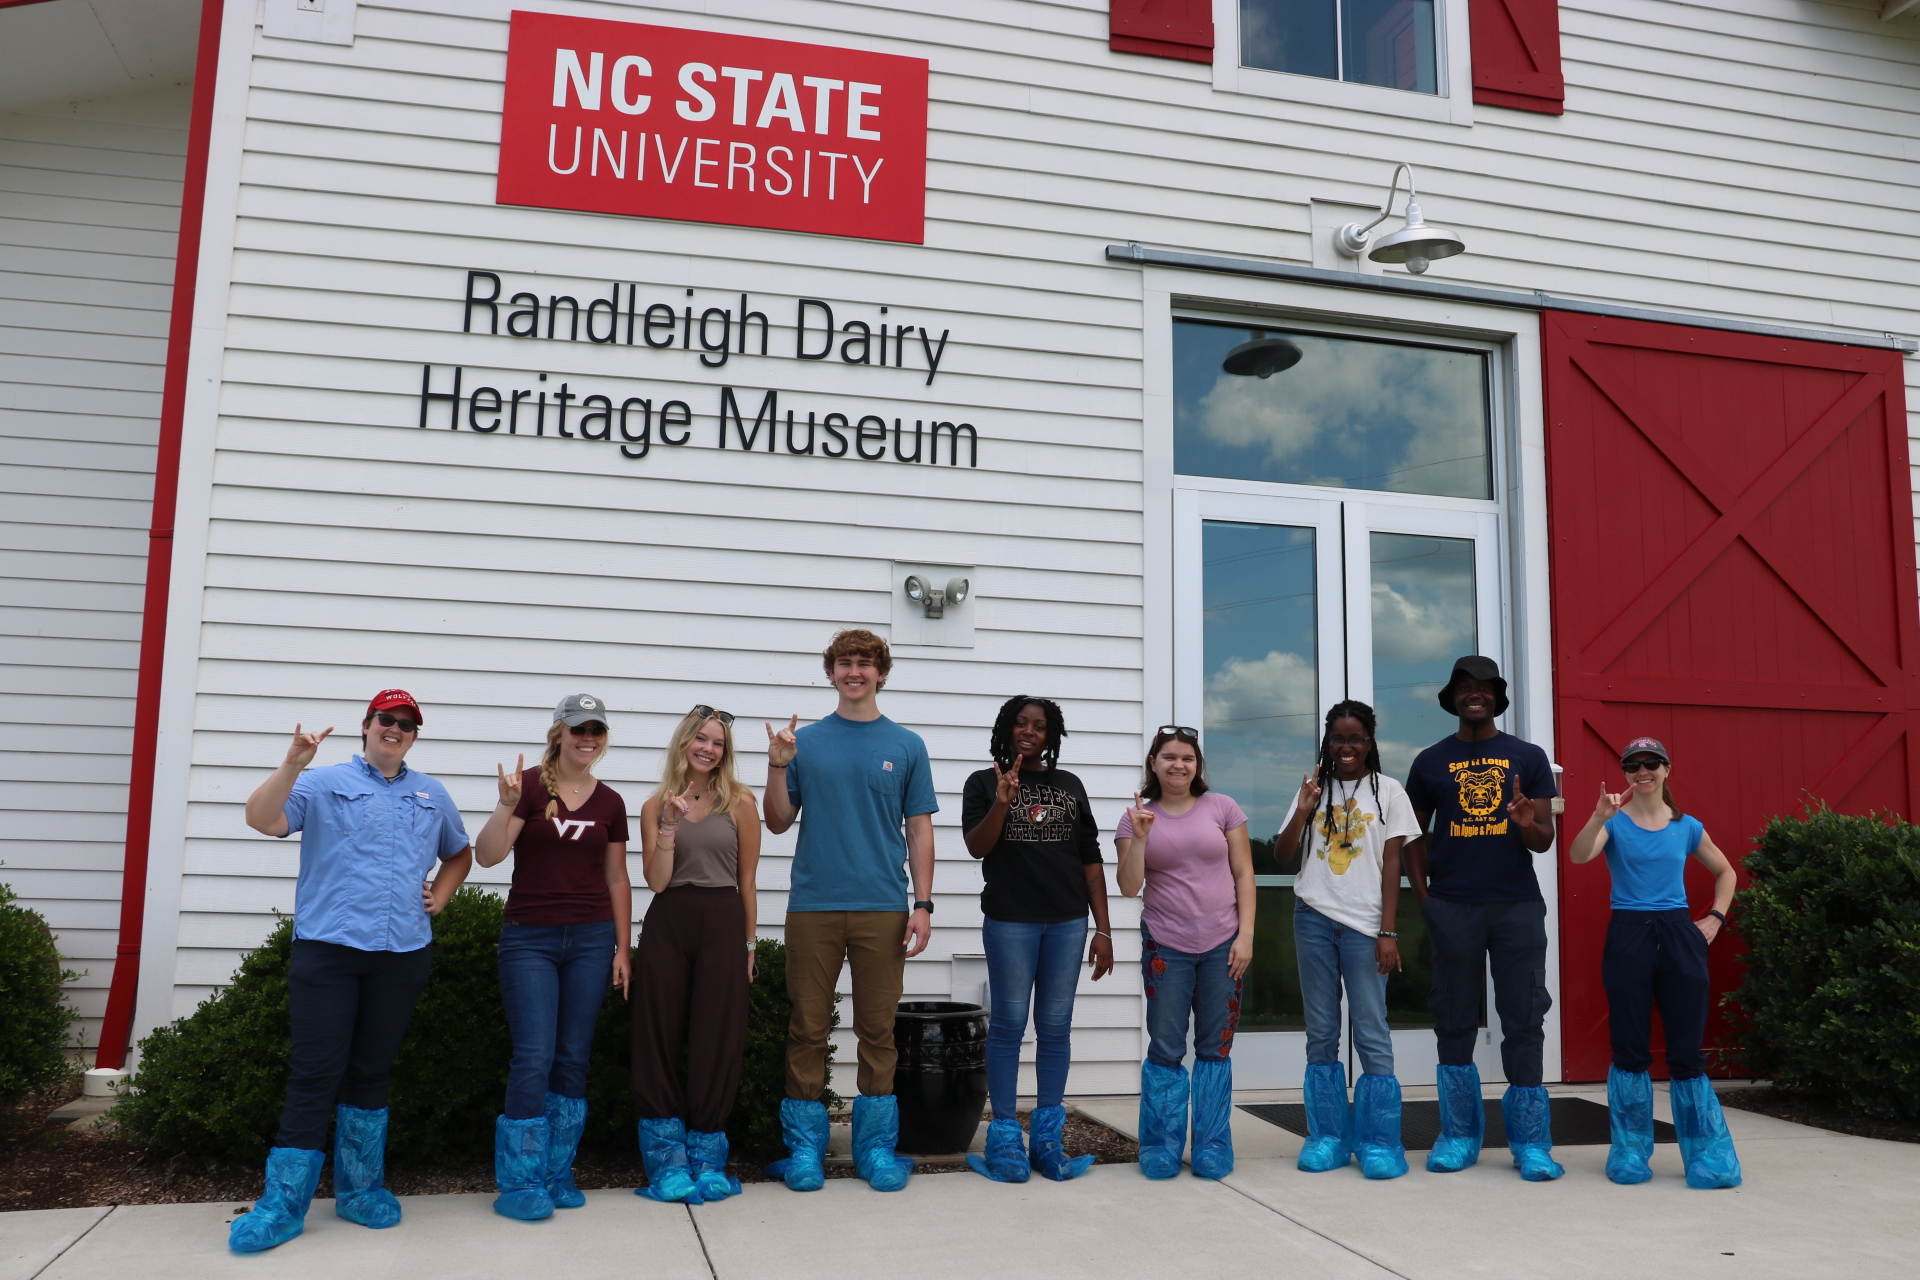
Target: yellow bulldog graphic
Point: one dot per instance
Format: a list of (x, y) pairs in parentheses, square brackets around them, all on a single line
[(1480, 792), (1344, 827)]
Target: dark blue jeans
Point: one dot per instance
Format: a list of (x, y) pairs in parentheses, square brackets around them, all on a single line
[(1031, 967), (1182, 985), (349, 1010), (1510, 938), (552, 980), (1656, 957)]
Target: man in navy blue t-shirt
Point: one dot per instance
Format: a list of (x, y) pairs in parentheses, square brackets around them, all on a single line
[(1483, 798)]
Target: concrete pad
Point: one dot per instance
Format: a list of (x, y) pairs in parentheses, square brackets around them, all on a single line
[(32, 1238), (1111, 1222), (1825, 1205), (1253, 1138), (616, 1235)]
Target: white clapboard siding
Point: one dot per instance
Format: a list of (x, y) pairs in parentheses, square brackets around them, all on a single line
[(89, 209)]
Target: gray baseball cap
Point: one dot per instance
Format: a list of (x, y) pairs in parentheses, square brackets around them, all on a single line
[(577, 709)]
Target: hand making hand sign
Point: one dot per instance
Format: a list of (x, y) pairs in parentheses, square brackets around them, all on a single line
[(510, 783), (1006, 789), (781, 745), (1520, 808), (1310, 793), (300, 754), (676, 808), (1141, 819), (1610, 803)]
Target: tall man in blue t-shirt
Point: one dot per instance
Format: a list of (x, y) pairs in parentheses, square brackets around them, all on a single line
[(1485, 795), (867, 789)]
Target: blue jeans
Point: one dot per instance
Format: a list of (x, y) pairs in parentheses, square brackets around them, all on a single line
[(552, 980), (1511, 939), (1033, 966), (1182, 985), (1330, 952)]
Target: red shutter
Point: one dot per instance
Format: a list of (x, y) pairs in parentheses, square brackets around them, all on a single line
[(1180, 29), (1733, 573), (1516, 54)]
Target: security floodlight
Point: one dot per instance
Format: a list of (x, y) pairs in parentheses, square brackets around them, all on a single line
[(935, 599)]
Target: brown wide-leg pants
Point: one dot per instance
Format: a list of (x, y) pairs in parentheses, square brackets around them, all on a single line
[(817, 941), (690, 988)]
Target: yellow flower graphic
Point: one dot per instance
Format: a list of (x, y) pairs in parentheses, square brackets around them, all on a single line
[(1344, 828)]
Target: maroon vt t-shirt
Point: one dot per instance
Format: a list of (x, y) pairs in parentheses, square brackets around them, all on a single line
[(560, 863)]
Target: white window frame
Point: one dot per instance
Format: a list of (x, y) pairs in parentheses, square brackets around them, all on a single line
[(1453, 67)]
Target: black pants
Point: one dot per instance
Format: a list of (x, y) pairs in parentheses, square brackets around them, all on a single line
[(1511, 938), (1656, 958), (350, 1010), (690, 996)]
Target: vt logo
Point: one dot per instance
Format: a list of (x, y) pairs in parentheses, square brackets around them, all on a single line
[(571, 828)]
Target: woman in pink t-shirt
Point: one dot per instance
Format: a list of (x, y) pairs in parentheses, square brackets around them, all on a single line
[(1188, 847)]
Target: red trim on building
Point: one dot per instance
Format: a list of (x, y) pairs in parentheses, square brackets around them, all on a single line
[(117, 1025), (1178, 29), (1516, 55)]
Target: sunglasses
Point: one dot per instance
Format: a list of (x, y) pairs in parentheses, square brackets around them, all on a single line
[(1641, 766), (1177, 731), (591, 729), (706, 712), (391, 721)]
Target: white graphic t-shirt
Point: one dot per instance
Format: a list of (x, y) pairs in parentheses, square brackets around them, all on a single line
[(1340, 875)]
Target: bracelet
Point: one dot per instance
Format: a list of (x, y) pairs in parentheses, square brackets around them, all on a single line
[(1384, 934), (771, 766), (1717, 915), (666, 833), (1102, 933)]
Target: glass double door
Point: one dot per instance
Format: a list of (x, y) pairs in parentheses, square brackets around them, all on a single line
[(1285, 606)]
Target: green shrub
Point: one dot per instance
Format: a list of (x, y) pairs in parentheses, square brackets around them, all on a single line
[(35, 1019), (212, 1083), (1831, 998)]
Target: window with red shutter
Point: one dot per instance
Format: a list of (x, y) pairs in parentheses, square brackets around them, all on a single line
[(1516, 55), (1180, 29)]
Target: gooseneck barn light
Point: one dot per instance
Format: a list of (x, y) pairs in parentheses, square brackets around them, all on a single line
[(1416, 244), (935, 599)]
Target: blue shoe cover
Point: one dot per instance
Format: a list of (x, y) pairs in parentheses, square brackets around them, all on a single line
[(359, 1163), (1163, 1119), (1376, 1127), (1006, 1158), (520, 1168), (707, 1162), (1529, 1117), (566, 1118), (280, 1213), (1212, 1117), (1049, 1153), (1463, 1120), (1706, 1148), (663, 1150), (876, 1131), (1329, 1120), (804, 1127), (1630, 1119)]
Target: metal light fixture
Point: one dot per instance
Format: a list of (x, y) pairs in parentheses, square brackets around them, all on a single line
[(1416, 244), (935, 599), (1261, 358)]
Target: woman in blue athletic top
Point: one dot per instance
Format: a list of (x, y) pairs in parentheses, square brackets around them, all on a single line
[(1657, 955)]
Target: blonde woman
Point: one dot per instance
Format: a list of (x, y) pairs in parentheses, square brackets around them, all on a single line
[(700, 834), (565, 938)]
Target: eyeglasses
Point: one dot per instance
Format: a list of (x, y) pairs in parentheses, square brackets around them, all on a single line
[(591, 729), (1641, 766), (391, 721), (1347, 740), (706, 712), (1177, 731)]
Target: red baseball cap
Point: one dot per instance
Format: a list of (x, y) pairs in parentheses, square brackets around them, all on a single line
[(388, 699)]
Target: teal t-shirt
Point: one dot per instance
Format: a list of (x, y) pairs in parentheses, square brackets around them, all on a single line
[(1649, 868), (856, 783)]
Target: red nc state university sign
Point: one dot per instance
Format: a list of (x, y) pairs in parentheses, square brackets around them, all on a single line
[(619, 117)]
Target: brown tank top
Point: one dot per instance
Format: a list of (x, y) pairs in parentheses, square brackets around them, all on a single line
[(707, 853)]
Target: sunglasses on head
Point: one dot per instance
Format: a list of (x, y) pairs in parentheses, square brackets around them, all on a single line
[(1179, 731), (706, 712), (1641, 765), (391, 721)]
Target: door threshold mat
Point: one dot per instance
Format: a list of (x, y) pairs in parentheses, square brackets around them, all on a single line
[(1577, 1122)]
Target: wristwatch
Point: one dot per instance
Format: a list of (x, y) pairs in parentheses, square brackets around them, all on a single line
[(1716, 915), (923, 906)]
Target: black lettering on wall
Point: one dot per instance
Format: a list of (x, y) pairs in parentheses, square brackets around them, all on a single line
[(513, 412), (707, 346), (560, 398), (864, 339), (428, 396), (613, 317), (491, 302), (933, 353), (669, 419), (769, 414), (834, 431), (573, 315), (953, 444), (745, 317), (645, 438), (900, 332), (475, 409), (916, 441), (862, 435), (633, 297), (653, 322), (790, 448), (800, 330), (604, 413), (530, 313)]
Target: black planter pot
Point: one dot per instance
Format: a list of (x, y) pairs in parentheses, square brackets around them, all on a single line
[(941, 1081)]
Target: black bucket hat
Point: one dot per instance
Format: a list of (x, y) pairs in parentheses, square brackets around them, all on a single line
[(1475, 667)]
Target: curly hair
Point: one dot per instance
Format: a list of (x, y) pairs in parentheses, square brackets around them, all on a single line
[(1324, 768), (858, 641), (1000, 746)]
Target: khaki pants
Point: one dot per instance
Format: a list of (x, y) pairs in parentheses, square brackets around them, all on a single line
[(817, 941)]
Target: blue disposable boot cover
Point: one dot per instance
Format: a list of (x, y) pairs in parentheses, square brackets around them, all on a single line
[(1047, 1125), (663, 1150), (1376, 1127), (707, 1162), (359, 1164), (1706, 1148), (804, 1127), (876, 1131), (520, 1168), (1212, 1117), (1463, 1120), (280, 1213), (1163, 1119), (1630, 1120), (566, 1118), (1329, 1142), (1006, 1158), (1529, 1116)]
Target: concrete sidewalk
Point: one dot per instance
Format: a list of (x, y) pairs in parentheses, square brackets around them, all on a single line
[(1814, 1204)]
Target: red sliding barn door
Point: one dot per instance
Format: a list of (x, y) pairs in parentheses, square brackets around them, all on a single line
[(1733, 573)]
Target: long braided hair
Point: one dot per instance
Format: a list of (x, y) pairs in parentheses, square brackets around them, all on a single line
[(1000, 746), (1349, 709)]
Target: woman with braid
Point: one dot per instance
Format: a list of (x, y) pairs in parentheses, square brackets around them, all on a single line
[(565, 938), (1349, 824), (1033, 831)]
